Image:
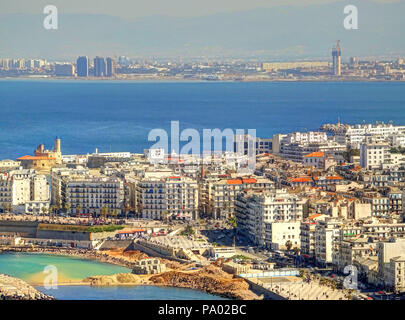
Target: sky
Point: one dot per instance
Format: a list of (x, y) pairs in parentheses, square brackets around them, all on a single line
[(129, 9), (268, 29)]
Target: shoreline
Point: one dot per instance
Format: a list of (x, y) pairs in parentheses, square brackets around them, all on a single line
[(239, 289), (174, 80)]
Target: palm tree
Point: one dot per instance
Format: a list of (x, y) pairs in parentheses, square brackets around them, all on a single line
[(78, 209), (44, 210), (7, 207), (114, 214), (165, 215), (104, 212), (66, 207), (126, 210), (139, 209)]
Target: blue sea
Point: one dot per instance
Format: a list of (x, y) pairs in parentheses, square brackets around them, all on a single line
[(118, 115), (29, 267), (127, 293)]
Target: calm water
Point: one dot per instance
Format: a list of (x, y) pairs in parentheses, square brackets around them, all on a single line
[(26, 266), (117, 116), (29, 267), (127, 293)]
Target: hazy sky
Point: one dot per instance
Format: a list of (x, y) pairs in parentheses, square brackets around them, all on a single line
[(140, 8)]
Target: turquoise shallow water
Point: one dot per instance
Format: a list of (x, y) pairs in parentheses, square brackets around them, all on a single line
[(28, 266), (25, 265)]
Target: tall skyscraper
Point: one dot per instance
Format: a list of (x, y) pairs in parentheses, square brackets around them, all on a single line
[(82, 66), (99, 67), (336, 56), (110, 67)]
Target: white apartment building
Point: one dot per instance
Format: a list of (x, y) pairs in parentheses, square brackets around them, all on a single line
[(58, 177), (164, 196), (256, 211), (221, 194), (6, 165), (86, 193), (242, 143), (373, 155), (307, 239), (306, 137), (391, 264), (380, 206), (24, 191), (353, 136), (282, 235), (327, 235), (297, 151)]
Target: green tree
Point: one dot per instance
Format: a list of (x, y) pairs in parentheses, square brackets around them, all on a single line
[(165, 215), (44, 210), (66, 207)]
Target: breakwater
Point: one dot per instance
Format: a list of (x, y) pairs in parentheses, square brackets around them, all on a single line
[(16, 289)]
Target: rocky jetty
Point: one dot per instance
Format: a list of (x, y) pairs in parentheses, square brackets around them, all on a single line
[(115, 279), (209, 279), (16, 289)]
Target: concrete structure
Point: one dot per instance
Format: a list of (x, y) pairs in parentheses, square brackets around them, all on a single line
[(24, 191), (391, 264), (222, 252), (256, 211), (87, 193), (165, 196), (282, 235), (220, 195), (373, 155), (148, 266), (327, 235), (354, 135)]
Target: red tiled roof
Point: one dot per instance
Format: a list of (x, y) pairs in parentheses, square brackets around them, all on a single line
[(315, 155), (35, 158), (302, 179)]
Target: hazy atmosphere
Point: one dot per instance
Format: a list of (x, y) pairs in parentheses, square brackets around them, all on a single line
[(264, 29)]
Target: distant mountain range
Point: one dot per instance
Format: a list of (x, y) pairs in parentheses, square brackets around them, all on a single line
[(280, 33)]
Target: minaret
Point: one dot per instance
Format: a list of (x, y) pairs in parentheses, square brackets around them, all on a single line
[(57, 145)]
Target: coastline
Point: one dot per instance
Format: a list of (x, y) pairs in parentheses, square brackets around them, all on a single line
[(181, 80), (212, 280)]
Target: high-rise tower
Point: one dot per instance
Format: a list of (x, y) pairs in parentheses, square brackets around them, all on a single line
[(100, 69), (336, 58), (110, 67), (82, 66)]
